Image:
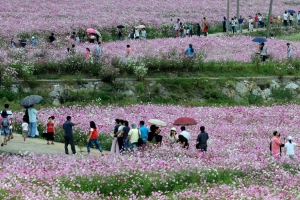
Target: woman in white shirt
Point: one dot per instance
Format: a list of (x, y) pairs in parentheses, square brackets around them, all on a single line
[(289, 147)]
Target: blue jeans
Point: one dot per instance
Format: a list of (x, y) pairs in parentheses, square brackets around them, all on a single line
[(120, 38), (126, 144), (134, 145), (32, 129), (5, 131), (96, 142)]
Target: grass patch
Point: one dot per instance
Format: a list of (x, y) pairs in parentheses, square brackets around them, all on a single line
[(144, 184)]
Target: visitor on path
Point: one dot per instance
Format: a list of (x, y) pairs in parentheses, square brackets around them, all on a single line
[(241, 23), (289, 147), (52, 39), (68, 128), (126, 143), (32, 113), (93, 138), (24, 130), (120, 135), (176, 27), (144, 34), (291, 19), (198, 28), (224, 24), (173, 137), (133, 136), (233, 25), (298, 18), (236, 24), (98, 51), (285, 18), (33, 41), (275, 145), (50, 130), (144, 132), (202, 139), (191, 30), (263, 52), (289, 50), (205, 26), (114, 145), (250, 21), (4, 127), (10, 119), (278, 21), (184, 138), (190, 52), (260, 21), (120, 34), (256, 21)]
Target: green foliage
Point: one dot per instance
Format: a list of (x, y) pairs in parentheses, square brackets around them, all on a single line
[(139, 87), (254, 99), (144, 184), (282, 94)]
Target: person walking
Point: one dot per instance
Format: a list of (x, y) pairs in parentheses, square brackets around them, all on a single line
[(126, 144), (24, 130), (68, 128), (224, 24), (144, 132), (250, 21), (263, 52), (4, 127), (291, 19), (10, 120), (205, 26), (98, 51), (241, 23), (233, 25), (93, 138), (285, 18), (256, 21), (275, 145), (278, 21), (198, 29), (114, 145), (202, 139), (133, 136), (289, 50), (184, 137), (120, 136), (32, 112), (50, 130), (289, 147)]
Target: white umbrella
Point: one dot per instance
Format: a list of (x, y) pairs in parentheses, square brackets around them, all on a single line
[(140, 26), (157, 122)]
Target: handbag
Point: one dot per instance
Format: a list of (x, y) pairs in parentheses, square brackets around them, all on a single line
[(140, 141)]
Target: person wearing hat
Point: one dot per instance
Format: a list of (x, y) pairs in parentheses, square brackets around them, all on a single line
[(202, 139), (33, 41), (173, 137), (289, 147), (289, 50), (190, 51), (133, 136)]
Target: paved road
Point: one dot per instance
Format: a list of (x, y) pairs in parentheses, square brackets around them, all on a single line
[(36, 145)]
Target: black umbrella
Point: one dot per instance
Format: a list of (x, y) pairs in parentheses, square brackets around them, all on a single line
[(120, 26), (31, 100)]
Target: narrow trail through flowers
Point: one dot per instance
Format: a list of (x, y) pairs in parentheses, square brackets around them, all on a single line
[(36, 145)]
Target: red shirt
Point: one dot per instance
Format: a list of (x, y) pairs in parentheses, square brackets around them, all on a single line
[(50, 127), (94, 133), (256, 18)]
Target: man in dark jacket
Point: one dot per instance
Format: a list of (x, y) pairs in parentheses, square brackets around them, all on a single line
[(202, 139)]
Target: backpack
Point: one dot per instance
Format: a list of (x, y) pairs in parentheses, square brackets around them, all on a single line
[(5, 122), (26, 116)]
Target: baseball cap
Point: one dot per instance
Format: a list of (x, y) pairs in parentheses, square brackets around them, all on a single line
[(290, 138)]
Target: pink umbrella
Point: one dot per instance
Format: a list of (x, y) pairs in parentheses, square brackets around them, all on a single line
[(90, 30)]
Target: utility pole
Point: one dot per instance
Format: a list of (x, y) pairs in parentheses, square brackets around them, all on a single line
[(237, 9), (227, 21), (269, 17)]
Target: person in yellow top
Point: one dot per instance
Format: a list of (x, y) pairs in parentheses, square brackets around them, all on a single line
[(278, 20)]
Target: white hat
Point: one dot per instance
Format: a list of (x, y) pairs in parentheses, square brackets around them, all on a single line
[(290, 138), (32, 37), (173, 129)]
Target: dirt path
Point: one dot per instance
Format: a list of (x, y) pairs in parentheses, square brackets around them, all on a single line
[(36, 145)]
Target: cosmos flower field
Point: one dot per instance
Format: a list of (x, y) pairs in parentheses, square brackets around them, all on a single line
[(237, 165)]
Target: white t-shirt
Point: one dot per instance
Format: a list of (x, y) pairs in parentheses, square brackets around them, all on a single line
[(290, 148), (291, 17), (25, 126), (186, 135), (285, 16), (137, 33), (121, 130)]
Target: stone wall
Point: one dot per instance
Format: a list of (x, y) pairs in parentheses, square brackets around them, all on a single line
[(237, 88)]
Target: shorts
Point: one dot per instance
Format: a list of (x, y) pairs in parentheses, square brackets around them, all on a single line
[(5, 131), (24, 133)]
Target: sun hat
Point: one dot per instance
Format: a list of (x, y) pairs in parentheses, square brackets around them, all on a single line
[(290, 138), (133, 125), (32, 37), (173, 129)]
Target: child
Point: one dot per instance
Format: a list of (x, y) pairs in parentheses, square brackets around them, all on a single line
[(4, 127), (24, 130), (50, 130)]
